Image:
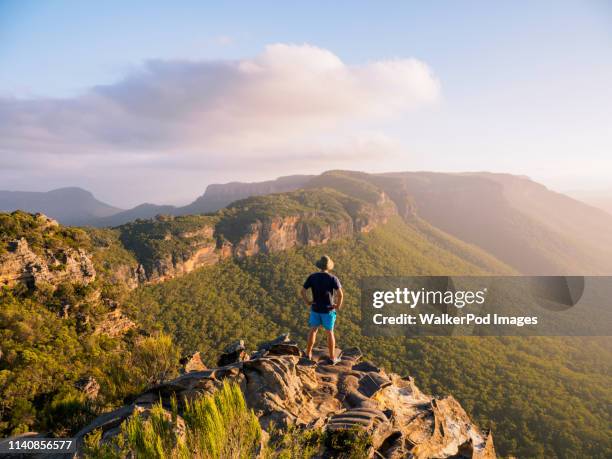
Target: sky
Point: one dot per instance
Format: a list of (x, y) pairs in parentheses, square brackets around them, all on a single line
[(152, 101)]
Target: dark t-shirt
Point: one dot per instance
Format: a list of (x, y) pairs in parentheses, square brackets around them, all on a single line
[(323, 285)]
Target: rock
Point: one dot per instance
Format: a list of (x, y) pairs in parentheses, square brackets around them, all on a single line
[(45, 222), (214, 241), (193, 362), (114, 324), (88, 386), (22, 265), (282, 390), (236, 346), (353, 353), (372, 382), (281, 345), (276, 391), (284, 349), (366, 367), (373, 421), (233, 353)]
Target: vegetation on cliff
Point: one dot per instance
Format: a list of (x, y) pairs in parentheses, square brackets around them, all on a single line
[(40, 232), (166, 238), (61, 329), (166, 246), (214, 426)]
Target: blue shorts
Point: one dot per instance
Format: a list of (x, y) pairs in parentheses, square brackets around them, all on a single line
[(326, 319)]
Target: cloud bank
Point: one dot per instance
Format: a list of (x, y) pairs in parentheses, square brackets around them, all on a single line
[(289, 100)]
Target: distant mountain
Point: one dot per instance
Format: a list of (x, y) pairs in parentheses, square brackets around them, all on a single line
[(601, 200), (142, 211), (520, 222), (214, 198), (70, 206), (217, 196), (76, 206)]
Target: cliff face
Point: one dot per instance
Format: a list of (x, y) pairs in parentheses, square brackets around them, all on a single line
[(283, 389), (169, 246), (281, 233), (20, 264), (313, 227)]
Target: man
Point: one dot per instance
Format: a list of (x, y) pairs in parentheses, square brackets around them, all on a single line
[(323, 308)]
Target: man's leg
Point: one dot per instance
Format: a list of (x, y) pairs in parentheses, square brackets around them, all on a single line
[(331, 343), (312, 337)]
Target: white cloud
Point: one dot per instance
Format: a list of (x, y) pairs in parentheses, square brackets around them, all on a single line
[(286, 91), (288, 101)]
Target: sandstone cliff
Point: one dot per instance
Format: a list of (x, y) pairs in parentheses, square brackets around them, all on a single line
[(155, 250), (168, 246), (284, 389), (20, 263)]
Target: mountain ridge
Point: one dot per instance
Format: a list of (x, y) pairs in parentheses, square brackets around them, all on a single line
[(70, 205)]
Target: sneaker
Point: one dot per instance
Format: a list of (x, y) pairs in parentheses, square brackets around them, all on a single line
[(335, 360)]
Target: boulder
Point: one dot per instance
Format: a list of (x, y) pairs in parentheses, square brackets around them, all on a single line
[(349, 397), (236, 346), (192, 362), (233, 353)]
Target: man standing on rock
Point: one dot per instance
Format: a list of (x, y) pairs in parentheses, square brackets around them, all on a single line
[(322, 306)]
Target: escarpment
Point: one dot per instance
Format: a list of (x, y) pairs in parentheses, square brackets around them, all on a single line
[(45, 261), (352, 397), (168, 246), (165, 247), (21, 264)]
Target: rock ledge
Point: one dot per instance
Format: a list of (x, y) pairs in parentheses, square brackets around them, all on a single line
[(283, 388)]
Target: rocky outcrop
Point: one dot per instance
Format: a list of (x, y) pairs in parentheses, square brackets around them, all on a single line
[(282, 233), (209, 244), (283, 389), (114, 324), (234, 353), (309, 228), (170, 267), (21, 264), (190, 249), (192, 362)]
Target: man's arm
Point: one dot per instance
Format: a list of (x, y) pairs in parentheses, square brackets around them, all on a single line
[(305, 297), (339, 298)]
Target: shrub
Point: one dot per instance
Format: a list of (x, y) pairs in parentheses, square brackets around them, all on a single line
[(349, 443), (67, 411), (222, 426), (294, 442), (217, 426), (156, 357)]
